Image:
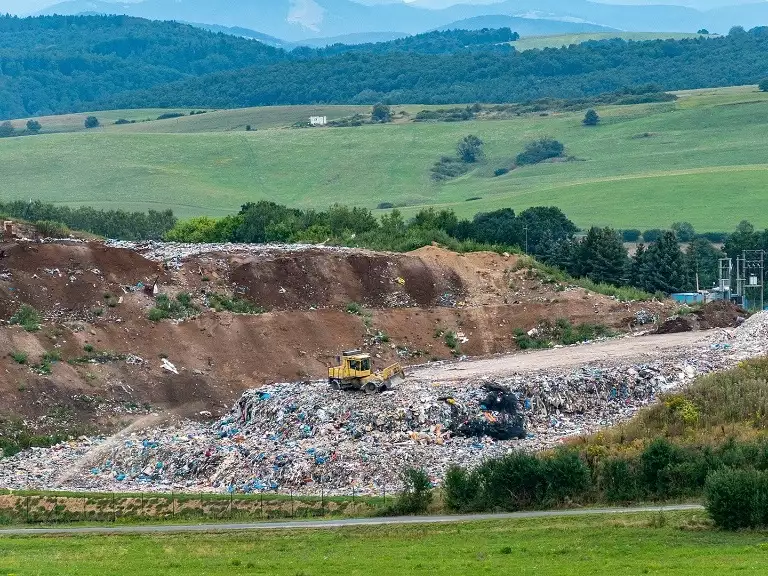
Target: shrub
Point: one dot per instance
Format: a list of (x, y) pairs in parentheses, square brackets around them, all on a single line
[(763, 86), (618, 480), (500, 171), (591, 118), (460, 488), (540, 150), (451, 340), (91, 122), (354, 308), (416, 495), (385, 206), (220, 302), (33, 126), (652, 235), (169, 115), (447, 168), (737, 498), (51, 229), (28, 318), (178, 308), (121, 121), (631, 235), (19, 357)]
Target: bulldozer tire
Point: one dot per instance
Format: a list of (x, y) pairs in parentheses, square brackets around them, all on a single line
[(335, 384), (370, 388)]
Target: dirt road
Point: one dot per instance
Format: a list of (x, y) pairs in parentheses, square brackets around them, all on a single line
[(630, 348)]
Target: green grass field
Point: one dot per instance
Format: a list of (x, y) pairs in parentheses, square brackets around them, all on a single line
[(619, 546), (560, 40), (703, 159)]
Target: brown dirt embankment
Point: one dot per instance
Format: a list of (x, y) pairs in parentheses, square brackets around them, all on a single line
[(87, 293)]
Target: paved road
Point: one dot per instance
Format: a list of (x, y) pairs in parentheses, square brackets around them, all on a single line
[(616, 350), (324, 524)]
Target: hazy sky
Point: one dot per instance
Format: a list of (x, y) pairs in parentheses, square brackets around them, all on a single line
[(29, 6)]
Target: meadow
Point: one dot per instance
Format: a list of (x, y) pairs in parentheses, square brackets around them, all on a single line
[(702, 159), (669, 543), (560, 40)]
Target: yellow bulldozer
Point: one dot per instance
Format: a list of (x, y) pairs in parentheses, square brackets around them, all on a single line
[(355, 372)]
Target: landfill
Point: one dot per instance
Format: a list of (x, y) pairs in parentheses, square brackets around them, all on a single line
[(308, 438)]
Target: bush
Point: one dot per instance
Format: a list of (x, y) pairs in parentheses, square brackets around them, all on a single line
[(28, 318), (122, 121), (354, 308), (500, 171), (763, 86), (33, 126), (51, 229), (652, 235), (737, 498), (631, 235), (220, 302), (19, 357), (177, 309), (416, 495), (540, 150), (591, 118), (91, 122), (618, 480), (169, 115), (447, 168), (460, 489)]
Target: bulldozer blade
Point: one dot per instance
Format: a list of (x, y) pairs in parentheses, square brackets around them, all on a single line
[(394, 382)]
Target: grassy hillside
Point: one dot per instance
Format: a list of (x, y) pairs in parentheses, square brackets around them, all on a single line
[(560, 40), (703, 158)]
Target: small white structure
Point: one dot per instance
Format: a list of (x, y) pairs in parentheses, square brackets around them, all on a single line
[(318, 120)]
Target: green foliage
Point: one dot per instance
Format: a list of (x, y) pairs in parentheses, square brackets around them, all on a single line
[(661, 267), (354, 308), (19, 357), (221, 302), (116, 224), (28, 318), (91, 122), (33, 126), (447, 168), (7, 130), (562, 332), (381, 113), (169, 115), (631, 235), (540, 150), (591, 118), (684, 231), (416, 495), (51, 229), (470, 149), (179, 308), (738, 499), (451, 340), (763, 86)]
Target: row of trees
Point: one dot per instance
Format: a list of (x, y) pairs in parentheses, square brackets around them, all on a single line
[(118, 224), (7, 130), (545, 232)]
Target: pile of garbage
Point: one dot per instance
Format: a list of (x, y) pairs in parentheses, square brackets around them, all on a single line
[(177, 251), (309, 438)]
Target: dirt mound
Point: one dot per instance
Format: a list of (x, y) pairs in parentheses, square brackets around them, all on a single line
[(718, 314), (68, 280), (111, 368)]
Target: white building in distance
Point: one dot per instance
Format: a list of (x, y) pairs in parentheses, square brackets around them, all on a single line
[(318, 120)]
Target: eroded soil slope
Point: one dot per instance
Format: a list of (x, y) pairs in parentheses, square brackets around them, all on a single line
[(95, 311)]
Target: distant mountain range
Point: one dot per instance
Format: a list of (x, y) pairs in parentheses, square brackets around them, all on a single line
[(297, 20)]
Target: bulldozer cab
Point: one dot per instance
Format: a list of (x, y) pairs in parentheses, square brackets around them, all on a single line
[(357, 366)]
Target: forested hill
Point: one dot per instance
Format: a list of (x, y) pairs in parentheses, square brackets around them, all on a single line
[(56, 64), (66, 63), (59, 64), (576, 71)]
